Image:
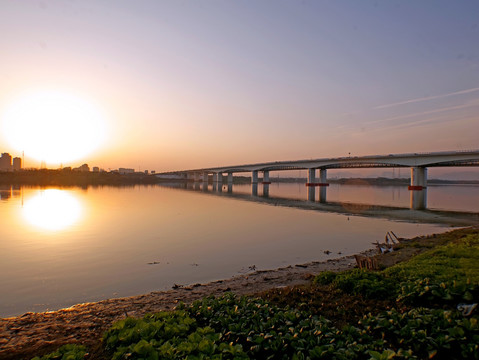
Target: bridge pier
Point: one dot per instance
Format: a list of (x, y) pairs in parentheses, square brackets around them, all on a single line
[(205, 177), (322, 194), (311, 178), (311, 193), (418, 178), (266, 177), (323, 177), (418, 200), (197, 177), (220, 179), (254, 189), (230, 182), (266, 190), (254, 177)]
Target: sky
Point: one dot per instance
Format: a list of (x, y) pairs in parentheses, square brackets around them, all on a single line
[(173, 85)]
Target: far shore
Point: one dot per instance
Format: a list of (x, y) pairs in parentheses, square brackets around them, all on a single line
[(69, 177)]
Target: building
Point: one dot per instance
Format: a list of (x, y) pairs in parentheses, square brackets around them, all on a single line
[(96, 169), (17, 163), (6, 162), (124, 171), (83, 168)]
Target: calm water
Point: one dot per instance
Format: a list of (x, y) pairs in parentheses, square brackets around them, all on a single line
[(59, 247)]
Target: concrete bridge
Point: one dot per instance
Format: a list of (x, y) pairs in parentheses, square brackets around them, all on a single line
[(417, 162)]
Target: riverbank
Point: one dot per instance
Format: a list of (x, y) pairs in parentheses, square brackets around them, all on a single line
[(31, 334)]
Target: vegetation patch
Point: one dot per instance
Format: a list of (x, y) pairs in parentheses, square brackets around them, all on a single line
[(167, 335), (442, 276), (66, 352)]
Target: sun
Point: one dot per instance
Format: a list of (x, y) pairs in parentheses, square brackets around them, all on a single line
[(52, 209), (53, 126)]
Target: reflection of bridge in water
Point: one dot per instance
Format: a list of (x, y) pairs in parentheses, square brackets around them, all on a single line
[(418, 163), (453, 218)]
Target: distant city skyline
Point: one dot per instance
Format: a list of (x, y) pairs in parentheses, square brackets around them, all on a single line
[(178, 85)]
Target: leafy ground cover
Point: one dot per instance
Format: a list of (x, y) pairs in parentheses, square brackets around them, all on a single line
[(406, 311), (443, 276)]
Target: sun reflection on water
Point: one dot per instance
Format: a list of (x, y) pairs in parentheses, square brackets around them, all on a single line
[(52, 210)]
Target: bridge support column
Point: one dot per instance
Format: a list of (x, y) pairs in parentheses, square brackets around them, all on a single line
[(197, 177), (418, 199), (220, 182), (322, 194), (311, 178), (215, 181), (254, 177), (254, 189), (323, 177), (205, 177), (266, 177), (311, 193), (266, 190), (418, 178), (230, 182)]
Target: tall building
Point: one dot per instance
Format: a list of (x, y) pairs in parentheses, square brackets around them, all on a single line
[(17, 163), (83, 168), (5, 162)]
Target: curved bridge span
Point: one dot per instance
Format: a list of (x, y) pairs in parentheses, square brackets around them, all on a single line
[(418, 162)]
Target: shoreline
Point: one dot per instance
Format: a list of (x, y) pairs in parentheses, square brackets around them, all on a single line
[(33, 332)]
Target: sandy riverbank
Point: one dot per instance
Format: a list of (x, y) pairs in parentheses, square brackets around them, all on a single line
[(33, 333)]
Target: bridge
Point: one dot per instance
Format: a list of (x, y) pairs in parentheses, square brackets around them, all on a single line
[(417, 162)]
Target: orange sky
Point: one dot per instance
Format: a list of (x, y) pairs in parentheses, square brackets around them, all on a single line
[(179, 85)]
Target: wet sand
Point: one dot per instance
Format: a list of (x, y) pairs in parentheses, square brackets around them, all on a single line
[(34, 333)]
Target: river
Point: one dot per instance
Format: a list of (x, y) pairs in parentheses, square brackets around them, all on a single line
[(62, 246)]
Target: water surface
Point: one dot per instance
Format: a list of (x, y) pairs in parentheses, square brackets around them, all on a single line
[(59, 247)]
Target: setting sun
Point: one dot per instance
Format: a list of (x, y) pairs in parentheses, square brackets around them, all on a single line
[(52, 209), (53, 126)]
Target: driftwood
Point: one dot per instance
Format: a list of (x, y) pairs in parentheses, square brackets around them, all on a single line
[(366, 262), (397, 238), (390, 241)]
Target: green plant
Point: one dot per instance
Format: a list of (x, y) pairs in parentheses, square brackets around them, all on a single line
[(269, 332), (65, 352), (167, 335), (372, 285), (325, 277), (426, 333)]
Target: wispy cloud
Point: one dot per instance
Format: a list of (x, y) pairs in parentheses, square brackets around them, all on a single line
[(469, 120), (462, 92), (428, 112)]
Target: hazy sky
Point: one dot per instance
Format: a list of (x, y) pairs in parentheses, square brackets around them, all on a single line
[(189, 84)]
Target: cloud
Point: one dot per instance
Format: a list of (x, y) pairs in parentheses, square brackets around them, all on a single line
[(427, 98), (428, 112)]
